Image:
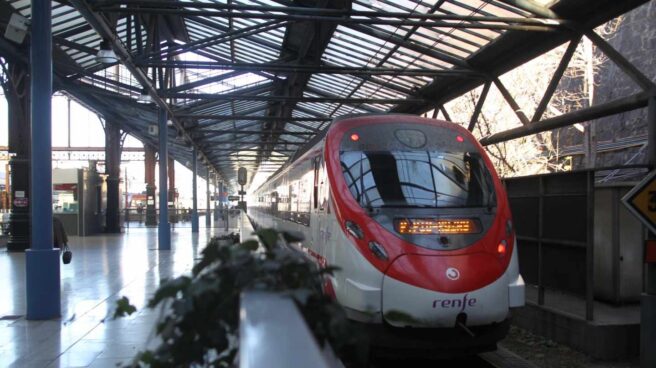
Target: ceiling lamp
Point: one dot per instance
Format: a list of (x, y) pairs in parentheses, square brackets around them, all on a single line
[(106, 55)]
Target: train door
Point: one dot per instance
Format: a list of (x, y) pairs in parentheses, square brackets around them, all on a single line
[(317, 219)]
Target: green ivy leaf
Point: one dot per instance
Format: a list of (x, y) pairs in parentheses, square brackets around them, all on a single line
[(124, 308), (250, 245), (201, 322), (169, 289), (269, 238)]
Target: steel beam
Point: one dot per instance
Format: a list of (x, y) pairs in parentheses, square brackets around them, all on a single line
[(240, 97), (42, 278), (280, 67), (201, 106), (445, 113), (208, 134), (220, 118), (627, 67), (194, 200), (514, 48), (632, 102), (324, 94), (237, 150), (229, 36), (532, 7), (465, 22), (99, 23), (254, 143), (332, 15), (389, 54), (83, 73), (479, 106), (555, 79), (204, 81), (511, 101), (397, 40)]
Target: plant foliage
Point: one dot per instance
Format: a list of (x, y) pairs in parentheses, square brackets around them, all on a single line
[(201, 321)]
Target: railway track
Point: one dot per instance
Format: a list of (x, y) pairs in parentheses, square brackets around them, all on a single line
[(501, 358)]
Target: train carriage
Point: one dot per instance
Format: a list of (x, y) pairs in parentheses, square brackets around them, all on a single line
[(412, 212)]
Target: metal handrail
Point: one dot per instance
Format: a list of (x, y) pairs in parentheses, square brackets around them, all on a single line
[(273, 334)]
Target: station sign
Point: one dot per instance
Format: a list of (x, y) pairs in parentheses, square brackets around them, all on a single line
[(641, 201), (21, 202), (233, 198)]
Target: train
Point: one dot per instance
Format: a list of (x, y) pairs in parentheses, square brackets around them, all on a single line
[(415, 217)]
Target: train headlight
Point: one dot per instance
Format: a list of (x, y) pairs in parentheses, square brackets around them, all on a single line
[(501, 248), (436, 226)]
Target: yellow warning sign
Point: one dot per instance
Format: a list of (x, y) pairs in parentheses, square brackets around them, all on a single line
[(641, 201)]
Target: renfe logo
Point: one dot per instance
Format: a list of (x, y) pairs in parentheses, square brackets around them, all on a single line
[(455, 303), (452, 273)]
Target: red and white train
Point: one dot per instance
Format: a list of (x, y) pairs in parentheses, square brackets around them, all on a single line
[(413, 213)]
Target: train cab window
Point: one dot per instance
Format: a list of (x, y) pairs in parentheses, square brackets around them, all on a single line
[(388, 172)]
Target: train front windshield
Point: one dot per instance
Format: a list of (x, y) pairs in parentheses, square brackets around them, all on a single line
[(454, 177)]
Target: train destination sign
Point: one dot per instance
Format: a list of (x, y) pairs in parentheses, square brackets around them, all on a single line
[(641, 201)]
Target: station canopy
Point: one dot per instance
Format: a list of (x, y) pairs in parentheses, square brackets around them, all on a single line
[(249, 82)]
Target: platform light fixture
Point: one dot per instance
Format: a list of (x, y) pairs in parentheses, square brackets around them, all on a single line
[(17, 28), (106, 55)]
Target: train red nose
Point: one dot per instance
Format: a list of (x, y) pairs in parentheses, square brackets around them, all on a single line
[(435, 291), (447, 274)]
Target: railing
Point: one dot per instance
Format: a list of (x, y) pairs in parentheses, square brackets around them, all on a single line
[(273, 334), (554, 218), (272, 331), (246, 230), (141, 217)]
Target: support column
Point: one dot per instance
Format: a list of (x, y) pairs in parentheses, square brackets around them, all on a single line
[(42, 278), (113, 171), (208, 216), (164, 230), (216, 197), (149, 163), (194, 170), (648, 298), (221, 196), (17, 92), (172, 191)]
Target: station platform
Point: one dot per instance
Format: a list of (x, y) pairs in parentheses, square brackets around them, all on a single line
[(104, 269), (613, 334)]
